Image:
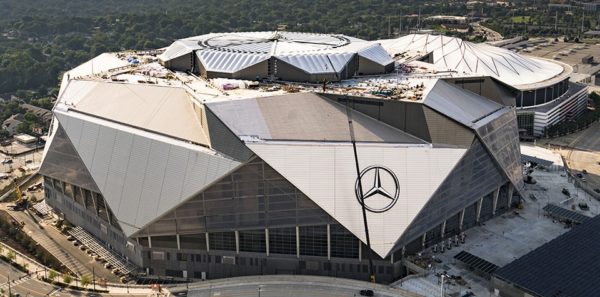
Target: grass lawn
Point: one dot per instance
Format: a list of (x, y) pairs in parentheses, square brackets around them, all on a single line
[(521, 19)]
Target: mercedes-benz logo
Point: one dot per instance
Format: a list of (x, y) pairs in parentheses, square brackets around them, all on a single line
[(384, 191)]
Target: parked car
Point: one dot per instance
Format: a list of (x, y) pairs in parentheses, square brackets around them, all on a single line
[(368, 293), (579, 175), (584, 206), (597, 190), (566, 192)]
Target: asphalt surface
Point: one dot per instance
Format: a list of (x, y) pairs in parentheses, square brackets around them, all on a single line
[(57, 244), (28, 286), (582, 152), (285, 286)]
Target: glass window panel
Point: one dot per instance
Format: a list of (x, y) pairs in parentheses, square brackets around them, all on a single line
[(69, 190), (164, 241), (252, 241), (224, 241), (193, 241), (102, 212), (282, 241), (78, 196), (343, 243), (313, 241)]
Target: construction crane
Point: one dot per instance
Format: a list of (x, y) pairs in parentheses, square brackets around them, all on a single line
[(21, 202)]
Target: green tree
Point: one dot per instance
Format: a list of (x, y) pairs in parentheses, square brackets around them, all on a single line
[(85, 280), (11, 256), (67, 279), (52, 275)]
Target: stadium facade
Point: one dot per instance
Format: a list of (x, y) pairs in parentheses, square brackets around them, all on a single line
[(539, 88), (187, 167)]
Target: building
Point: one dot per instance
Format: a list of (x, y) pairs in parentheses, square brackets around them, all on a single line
[(566, 266), (215, 177), (11, 124), (460, 28), (25, 138), (539, 88), (41, 113)]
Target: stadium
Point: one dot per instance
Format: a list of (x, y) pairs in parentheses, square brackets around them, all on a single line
[(539, 88), (276, 153)]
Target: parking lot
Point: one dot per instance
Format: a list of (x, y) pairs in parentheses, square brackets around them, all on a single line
[(569, 53)]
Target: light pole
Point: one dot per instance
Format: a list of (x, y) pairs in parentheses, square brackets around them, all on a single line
[(442, 286)]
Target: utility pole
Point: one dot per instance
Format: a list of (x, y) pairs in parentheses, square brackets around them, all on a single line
[(556, 22), (400, 25), (94, 277), (582, 19), (419, 21), (442, 286), (389, 26)]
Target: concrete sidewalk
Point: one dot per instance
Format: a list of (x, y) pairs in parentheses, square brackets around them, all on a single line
[(39, 271)]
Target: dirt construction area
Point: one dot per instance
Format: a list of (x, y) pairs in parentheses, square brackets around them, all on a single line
[(581, 151)]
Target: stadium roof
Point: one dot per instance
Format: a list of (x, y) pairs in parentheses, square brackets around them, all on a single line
[(166, 110), (565, 266), (455, 54), (310, 52), (303, 117), (465, 107)]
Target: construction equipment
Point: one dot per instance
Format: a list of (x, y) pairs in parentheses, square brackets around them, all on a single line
[(21, 202)]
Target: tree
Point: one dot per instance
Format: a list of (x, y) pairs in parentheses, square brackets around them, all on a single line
[(52, 275), (85, 280), (67, 279), (11, 256)]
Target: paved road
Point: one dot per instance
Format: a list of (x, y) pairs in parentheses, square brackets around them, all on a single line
[(8, 271), (58, 245), (28, 286), (285, 286)]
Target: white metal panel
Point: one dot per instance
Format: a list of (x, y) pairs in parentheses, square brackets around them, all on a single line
[(87, 142), (154, 107), (102, 156), (134, 180), (140, 174), (326, 173), (178, 49), (339, 61), (313, 64), (117, 171), (99, 64), (228, 62), (174, 177), (153, 182), (377, 54), (477, 59), (462, 106)]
